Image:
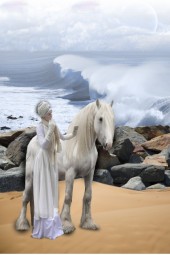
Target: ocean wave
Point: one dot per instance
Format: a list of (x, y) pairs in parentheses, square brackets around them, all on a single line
[(139, 86), (4, 80), (25, 69)]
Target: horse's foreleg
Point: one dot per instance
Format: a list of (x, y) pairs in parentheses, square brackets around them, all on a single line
[(22, 223), (86, 219), (68, 226)]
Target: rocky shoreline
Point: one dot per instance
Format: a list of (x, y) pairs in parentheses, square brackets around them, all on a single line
[(139, 159)]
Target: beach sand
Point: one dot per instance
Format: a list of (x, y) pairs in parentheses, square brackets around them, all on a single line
[(130, 222)]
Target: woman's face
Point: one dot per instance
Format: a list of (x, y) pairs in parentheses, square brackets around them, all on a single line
[(48, 116)]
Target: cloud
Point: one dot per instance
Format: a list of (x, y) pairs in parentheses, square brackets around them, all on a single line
[(85, 6), (16, 6), (84, 25)]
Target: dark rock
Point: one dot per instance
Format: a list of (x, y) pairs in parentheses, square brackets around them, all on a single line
[(105, 160), (16, 151), (13, 179), (153, 131), (125, 141), (8, 137), (157, 186), (11, 117), (103, 176), (5, 163), (125, 132), (4, 128), (135, 159), (153, 174), (167, 178), (35, 119), (122, 173), (123, 149), (135, 183)]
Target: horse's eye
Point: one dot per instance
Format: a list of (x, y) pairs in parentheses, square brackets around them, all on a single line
[(100, 119)]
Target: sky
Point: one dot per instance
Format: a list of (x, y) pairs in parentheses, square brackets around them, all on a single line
[(85, 25)]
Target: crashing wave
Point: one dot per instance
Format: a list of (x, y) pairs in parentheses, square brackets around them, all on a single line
[(139, 88)]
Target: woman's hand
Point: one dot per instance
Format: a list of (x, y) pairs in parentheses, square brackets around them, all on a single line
[(75, 130)]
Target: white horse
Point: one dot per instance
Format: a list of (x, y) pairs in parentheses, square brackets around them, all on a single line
[(95, 121), (78, 158)]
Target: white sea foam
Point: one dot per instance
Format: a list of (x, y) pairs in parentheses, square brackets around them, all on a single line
[(138, 84), (17, 101), (4, 79), (135, 86)]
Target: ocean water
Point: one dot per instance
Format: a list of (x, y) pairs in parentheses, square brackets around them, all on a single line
[(137, 82)]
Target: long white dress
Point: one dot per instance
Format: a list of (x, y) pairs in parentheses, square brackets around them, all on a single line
[(47, 221)]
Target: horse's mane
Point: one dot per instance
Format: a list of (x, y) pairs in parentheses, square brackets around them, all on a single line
[(84, 120), (86, 135)]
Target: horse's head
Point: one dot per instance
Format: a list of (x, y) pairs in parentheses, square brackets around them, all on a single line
[(104, 124)]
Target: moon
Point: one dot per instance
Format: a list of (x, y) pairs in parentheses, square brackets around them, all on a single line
[(140, 15)]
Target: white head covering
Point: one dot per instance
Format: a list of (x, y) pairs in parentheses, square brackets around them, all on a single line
[(42, 108)]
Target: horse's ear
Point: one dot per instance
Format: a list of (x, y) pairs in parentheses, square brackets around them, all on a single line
[(112, 103), (98, 103)]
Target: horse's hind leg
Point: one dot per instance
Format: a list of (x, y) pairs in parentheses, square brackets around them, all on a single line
[(22, 223), (68, 226), (32, 207), (86, 219)]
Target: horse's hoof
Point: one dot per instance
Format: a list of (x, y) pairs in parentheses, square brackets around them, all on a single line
[(22, 224), (89, 225), (68, 228)]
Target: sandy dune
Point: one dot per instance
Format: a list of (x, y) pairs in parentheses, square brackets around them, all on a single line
[(130, 221)]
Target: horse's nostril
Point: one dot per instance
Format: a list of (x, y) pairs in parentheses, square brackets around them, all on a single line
[(108, 146)]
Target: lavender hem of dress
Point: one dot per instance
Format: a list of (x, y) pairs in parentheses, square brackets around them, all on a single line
[(48, 227)]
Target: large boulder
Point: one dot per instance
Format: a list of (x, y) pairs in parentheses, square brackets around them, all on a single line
[(7, 137), (157, 186), (153, 174), (5, 163), (167, 178), (123, 149), (13, 179), (2, 151), (149, 173), (105, 160), (135, 183), (103, 176), (135, 158), (157, 159), (125, 140), (153, 131), (166, 152), (16, 151), (158, 144), (125, 132)]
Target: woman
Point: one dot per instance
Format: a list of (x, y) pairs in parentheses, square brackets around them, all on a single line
[(47, 222)]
